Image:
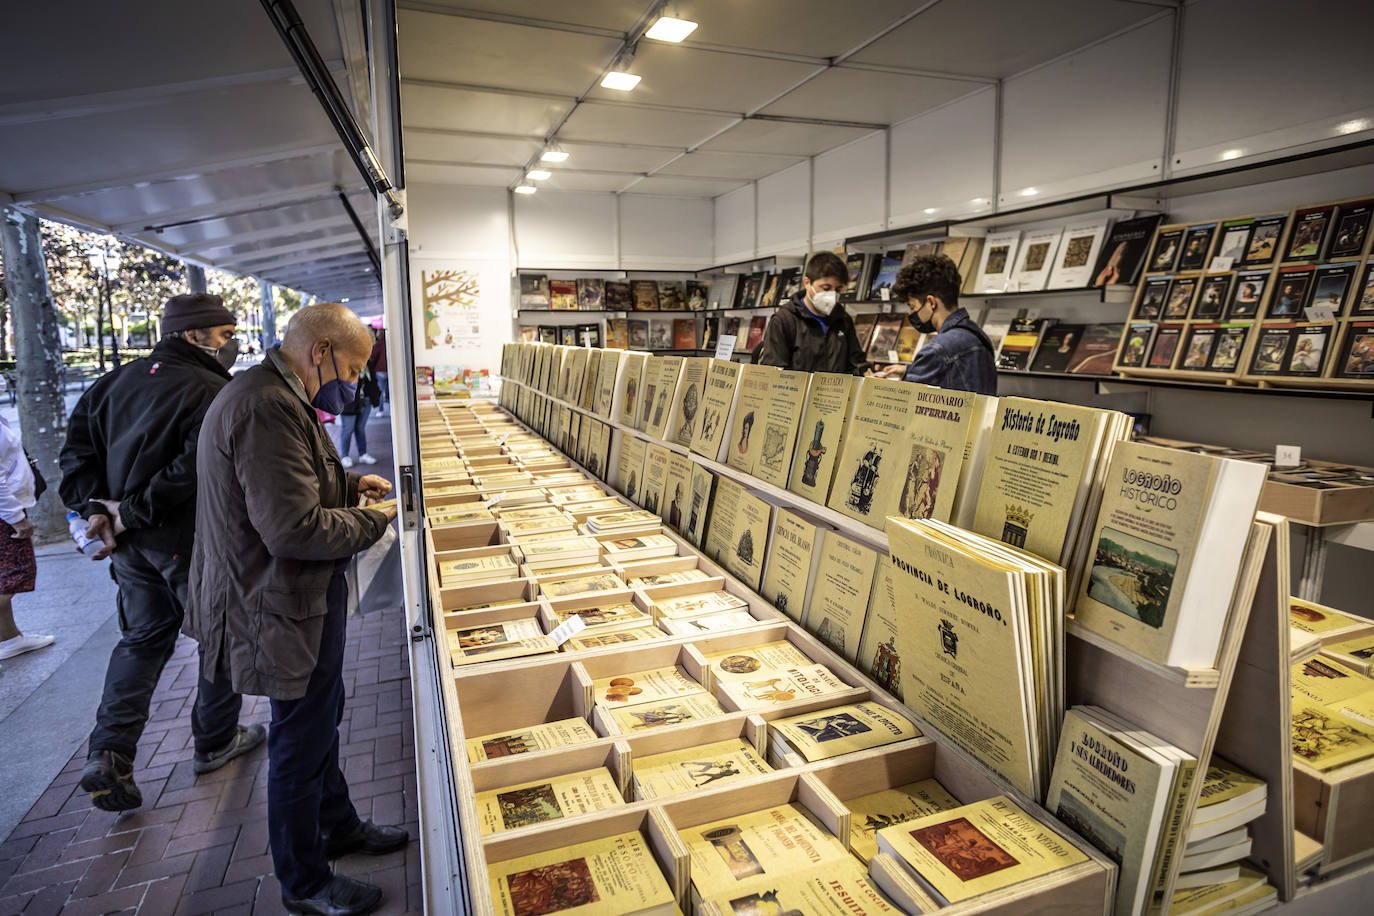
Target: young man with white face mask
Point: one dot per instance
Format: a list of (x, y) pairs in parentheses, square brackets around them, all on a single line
[(813, 332)]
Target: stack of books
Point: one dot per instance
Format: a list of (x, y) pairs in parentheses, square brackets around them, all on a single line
[(833, 732)]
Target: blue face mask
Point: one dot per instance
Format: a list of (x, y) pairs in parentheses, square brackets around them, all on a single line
[(335, 394)]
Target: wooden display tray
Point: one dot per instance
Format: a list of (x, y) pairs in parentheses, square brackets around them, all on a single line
[(1335, 809)]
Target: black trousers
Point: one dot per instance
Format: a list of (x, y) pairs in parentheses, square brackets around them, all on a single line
[(307, 796), (151, 605)]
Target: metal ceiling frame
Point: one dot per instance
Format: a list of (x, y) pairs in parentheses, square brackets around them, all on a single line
[(268, 257), (241, 206), (272, 232)]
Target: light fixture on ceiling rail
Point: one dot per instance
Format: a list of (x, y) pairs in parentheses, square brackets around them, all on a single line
[(670, 28), (525, 189), (554, 154), (538, 175), (619, 76)]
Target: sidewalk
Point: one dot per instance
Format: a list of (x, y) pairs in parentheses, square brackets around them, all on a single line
[(198, 845)]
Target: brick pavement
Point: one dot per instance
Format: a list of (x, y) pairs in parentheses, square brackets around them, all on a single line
[(199, 844)]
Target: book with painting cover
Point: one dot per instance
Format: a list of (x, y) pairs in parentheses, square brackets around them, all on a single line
[(1351, 230), (1311, 227), (1057, 348), (1197, 246), (884, 275), (542, 800), (1266, 234), (999, 257), (1167, 547), (534, 291), (1164, 253), (870, 813), (855, 265), (1153, 293), (614, 876), (1034, 260), (1073, 265), (1135, 344), (684, 333), (839, 730), (670, 296), (863, 329), (644, 295), (1096, 349), (563, 294), (977, 848), (617, 296), (768, 291), (638, 334), (641, 717), (757, 326), (1212, 297), (591, 294), (1247, 294), (660, 334), (882, 342), (1124, 251), (493, 641), (1331, 285), (1230, 343), (697, 295), (1018, 347), (1356, 357), (1291, 287), (1197, 348), (617, 334), (693, 768), (544, 736)]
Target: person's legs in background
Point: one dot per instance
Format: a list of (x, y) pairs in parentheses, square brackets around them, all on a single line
[(18, 573), (360, 434), (386, 393), (348, 425)]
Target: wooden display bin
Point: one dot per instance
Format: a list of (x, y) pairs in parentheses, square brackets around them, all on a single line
[(1336, 809), (492, 700), (460, 596), (461, 535), (656, 566), (1314, 505)]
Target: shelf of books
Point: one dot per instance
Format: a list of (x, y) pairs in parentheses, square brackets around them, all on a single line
[(1048, 604)]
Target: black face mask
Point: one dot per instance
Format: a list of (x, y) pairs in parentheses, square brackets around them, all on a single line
[(925, 326)]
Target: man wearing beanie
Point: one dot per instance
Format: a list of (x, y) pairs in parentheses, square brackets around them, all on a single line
[(129, 468)]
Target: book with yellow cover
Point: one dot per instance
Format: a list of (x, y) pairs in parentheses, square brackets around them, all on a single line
[(1326, 739), (677, 492), (1327, 625), (542, 737), (644, 687), (493, 641), (718, 398), (477, 569), (612, 639), (661, 395), (821, 436), (878, 655), (699, 504), (606, 373), (746, 435), (869, 470), (746, 662), (770, 843), (779, 686), (452, 515), (744, 549), (615, 876), (631, 720), (609, 618), (870, 813), (668, 578), (1326, 682), (543, 800), (844, 579), (696, 626), (630, 466), (536, 525), (682, 425), (693, 768), (685, 607), (724, 509), (981, 847), (1355, 653), (833, 889), (793, 554), (655, 475), (776, 430), (582, 585), (841, 730), (586, 398), (628, 386)]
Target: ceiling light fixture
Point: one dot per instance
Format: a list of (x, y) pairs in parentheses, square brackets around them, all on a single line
[(525, 189), (1232, 154), (670, 29), (1029, 192), (1353, 126), (929, 210), (554, 155), (617, 79), (538, 174)]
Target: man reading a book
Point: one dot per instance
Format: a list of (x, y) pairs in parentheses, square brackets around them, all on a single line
[(813, 332), (957, 354)]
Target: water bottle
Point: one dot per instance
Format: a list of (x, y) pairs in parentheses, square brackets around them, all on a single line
[(85, 543)]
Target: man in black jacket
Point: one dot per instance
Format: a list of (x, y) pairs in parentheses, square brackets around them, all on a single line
[(813, 332), (277, 523), (129, 468)]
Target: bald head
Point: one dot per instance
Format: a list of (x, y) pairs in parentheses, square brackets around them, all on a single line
[(325, 341)]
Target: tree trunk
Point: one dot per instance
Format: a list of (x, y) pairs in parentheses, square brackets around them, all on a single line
[(269, 314), (38, 354), (195, 278)]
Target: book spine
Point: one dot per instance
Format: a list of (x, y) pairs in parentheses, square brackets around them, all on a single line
[(1187, 772)]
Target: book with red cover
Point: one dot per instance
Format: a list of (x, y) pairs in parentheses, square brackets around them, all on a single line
[(684, 333), (756, 328), (563, 293)]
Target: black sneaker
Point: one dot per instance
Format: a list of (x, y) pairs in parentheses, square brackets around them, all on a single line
[(109, 778), (370, 839), (244, 740), (342, 896)]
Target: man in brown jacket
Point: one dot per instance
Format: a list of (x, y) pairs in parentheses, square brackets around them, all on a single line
[(276, 523)]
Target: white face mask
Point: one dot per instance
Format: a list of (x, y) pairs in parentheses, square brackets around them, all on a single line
[(823, 303)]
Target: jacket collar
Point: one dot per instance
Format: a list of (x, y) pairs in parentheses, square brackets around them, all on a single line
[(293, 381), (959, 319), (174, 349), (797, 304)]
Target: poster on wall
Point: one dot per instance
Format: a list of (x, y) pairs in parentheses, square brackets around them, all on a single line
[(450, 297), (461, 314)]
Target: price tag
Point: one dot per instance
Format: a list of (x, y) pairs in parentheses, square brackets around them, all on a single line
[(494, 500), (1287, 456), (892, 356), (885, 293), (1219, 264), (568, 629), (725, 347), (1321, 313)]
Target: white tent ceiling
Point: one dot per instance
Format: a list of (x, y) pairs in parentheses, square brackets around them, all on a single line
[(758, 87), (188, 128)]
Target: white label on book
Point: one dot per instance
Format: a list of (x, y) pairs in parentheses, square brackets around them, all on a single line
[(892, 356), (1320, 313), (494, 500), (1219, 264), (568, 629), (1287, 456), (725, 347), (885, 293)]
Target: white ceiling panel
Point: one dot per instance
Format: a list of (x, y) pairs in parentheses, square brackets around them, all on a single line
[(863, 95), (680, 75), (620, 15), (455, 50), (997, 38), (462, 148), (611, 158), (814, 28), (627, 124), (728, 165), (461, 109), (783, 138), (683, 187), (586, 181), (421, 172)]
